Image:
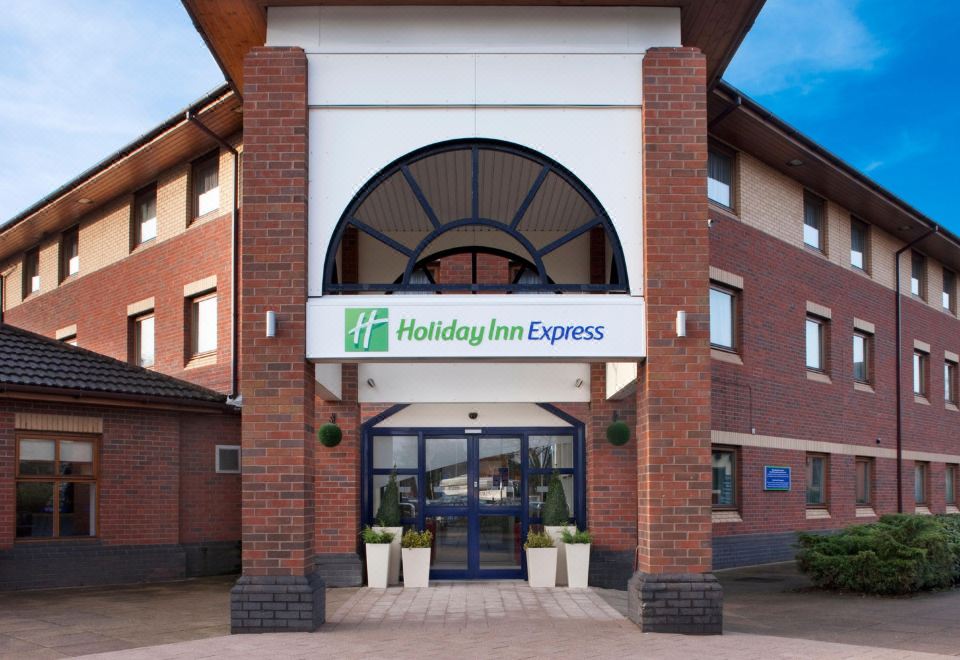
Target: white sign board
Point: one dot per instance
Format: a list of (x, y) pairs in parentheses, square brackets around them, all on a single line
[(504, 327)]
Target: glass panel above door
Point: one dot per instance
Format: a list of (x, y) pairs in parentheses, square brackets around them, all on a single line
[(551, 452), (395, 451)]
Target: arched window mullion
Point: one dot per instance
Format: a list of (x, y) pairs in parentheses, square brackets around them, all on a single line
[(531, 194), (383, 238), (475, 183), (421, 198), (569, 236)]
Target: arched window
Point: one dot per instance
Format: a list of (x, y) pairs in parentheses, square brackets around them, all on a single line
[(475, 197)]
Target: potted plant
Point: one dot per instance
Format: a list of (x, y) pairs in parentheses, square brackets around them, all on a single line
[(556, 519), (577, 548), (541, 560), (378, 556), (388, 520), (416, 558)]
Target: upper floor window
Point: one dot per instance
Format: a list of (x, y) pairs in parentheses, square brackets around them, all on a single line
[(203, 324), (861, 357), (950, 382), (813, 220), (206, 185), (816, 343), (69, 253), (724, 478), (951, 485), (949, 298), (145, 215), (920, 471), (723, 307), (719, 177), (859, 233), (56, 487), (921, 371), (31, 272), (918, 275), (143, 340)]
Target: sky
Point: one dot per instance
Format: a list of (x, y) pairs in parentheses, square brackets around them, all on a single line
[(873, 81)]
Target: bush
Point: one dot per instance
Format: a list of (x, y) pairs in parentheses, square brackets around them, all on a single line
[(555, 509), (580, 536), (415, 539), (899, 554), (388, 515), (538, 540), (370, 536)]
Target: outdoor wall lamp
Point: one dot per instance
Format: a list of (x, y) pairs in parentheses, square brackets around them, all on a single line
[(681, 323), (271, 323)]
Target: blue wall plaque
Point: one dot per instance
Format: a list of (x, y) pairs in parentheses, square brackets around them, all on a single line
[(776, 477)]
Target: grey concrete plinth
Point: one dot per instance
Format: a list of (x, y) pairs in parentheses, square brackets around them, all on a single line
[(684, 603), (284, 603)]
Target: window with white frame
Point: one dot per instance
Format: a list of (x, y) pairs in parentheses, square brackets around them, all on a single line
[(145, 215), (203, 324), (859, 233), (723, 317), (143, 340), (720, 177), (813, 215), (206, 185)]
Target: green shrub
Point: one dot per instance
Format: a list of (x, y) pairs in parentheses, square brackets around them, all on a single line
[(899, 554), (371, 536), (580, 536), (330, 435), (555, 509), (538, 540), (388, 515), (414, 539)]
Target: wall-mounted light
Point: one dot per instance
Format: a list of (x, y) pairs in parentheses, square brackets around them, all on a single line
[(681, 323), (578, 383), (371, 383), (271, 324)]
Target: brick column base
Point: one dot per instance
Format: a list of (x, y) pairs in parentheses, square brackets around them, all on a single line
[(680, 603), (277, 603), (341, 569)]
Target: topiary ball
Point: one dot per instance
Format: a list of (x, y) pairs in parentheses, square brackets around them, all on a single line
[(618, 433), (330, 435)]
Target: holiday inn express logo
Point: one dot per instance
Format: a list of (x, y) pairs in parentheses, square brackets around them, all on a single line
[(367, 330)]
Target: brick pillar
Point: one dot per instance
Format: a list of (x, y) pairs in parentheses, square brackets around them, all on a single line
[(673, 590), (278, 591)]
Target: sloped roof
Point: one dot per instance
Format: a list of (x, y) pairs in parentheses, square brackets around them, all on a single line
[(32, 362)]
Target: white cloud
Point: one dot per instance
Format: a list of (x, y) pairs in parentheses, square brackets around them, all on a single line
[(80, 79), (795, 43)]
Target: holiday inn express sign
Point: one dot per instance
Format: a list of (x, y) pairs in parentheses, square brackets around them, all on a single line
[(508, 327)]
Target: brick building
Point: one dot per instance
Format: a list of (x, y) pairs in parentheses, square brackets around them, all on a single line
[(616, 234)]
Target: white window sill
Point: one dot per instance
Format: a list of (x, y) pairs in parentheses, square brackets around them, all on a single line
[(863, 387), (952, 509), (725, 356), (204, 360), (726, 517), (950, 406), (866, 512), (922, 511), (819, 377), (922, 400), (818, 514)]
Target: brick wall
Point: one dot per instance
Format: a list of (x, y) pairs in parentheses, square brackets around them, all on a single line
[(673, 398), (209, 501)]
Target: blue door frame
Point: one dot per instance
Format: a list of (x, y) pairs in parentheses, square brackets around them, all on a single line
[(473, 509)]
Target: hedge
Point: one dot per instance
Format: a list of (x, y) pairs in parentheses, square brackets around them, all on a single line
[(899, 554)]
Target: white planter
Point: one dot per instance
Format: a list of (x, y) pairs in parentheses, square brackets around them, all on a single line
[(556, 533), (378, 564), (542, 567), (578, 564), (416, 568), (394, 576)]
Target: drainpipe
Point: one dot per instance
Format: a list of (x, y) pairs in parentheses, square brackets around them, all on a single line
[(234, 396), (899, 361)]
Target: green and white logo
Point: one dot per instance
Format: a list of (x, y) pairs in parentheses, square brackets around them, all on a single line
[(366, 330)]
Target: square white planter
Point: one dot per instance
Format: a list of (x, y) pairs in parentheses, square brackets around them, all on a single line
[(416, 568), (578, 564), (556, 533), (542, 567), (393, 577), (378, 564)]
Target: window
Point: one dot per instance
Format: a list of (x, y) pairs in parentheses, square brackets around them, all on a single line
[(69, 253), (719, 177), (950, 382), (920, 483), (859, 232), (724, 478), (918, 275), (723, 325), (950, 490), (206, 185), (861, 357), (203, 324), (228, 459), (949, 297), (56, 486), (816, 480), (143, 340), (813, 221), (31, 272), (864, 476), (816, 341), (920, 371), (145, 215)]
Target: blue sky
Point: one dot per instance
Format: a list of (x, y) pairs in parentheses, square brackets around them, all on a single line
[(874, 81)]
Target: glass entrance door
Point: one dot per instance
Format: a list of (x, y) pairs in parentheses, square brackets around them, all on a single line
[(477, 492)]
